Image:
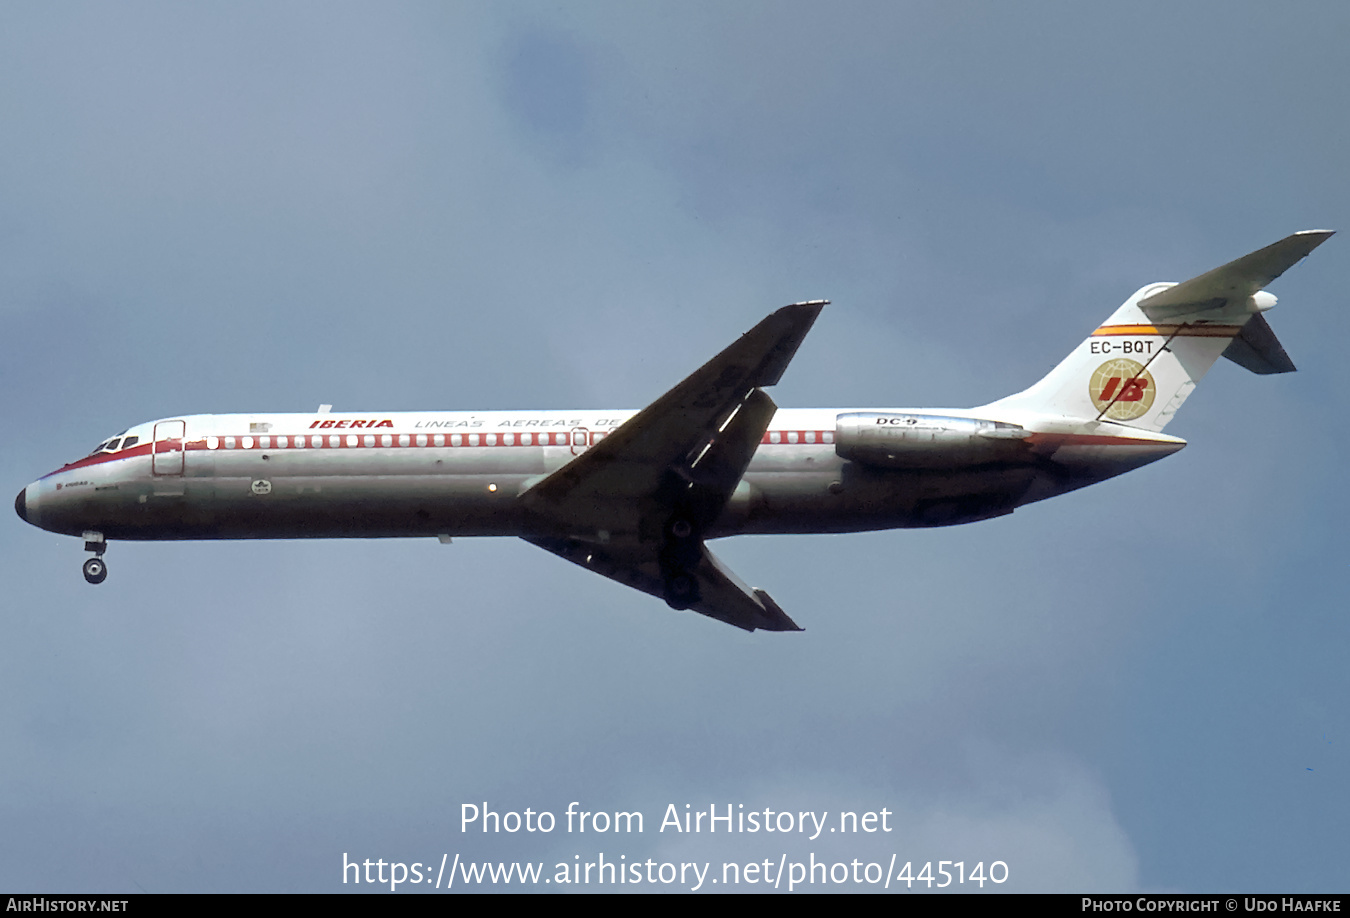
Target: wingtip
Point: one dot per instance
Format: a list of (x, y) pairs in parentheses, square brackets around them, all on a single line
[(1315, 237), (806, 309), (790, 324), (775, 618)]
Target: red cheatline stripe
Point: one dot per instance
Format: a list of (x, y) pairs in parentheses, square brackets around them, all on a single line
[(449, 441), (344, 440), (533, 438), (1057, 439)]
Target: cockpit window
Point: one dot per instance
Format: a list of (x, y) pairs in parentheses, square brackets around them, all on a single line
[(113, 445), (129, 442)]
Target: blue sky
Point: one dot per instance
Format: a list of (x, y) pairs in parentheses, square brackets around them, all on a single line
[(233, 207)]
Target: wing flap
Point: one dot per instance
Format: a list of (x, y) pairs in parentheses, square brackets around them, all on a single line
[(716, 466)]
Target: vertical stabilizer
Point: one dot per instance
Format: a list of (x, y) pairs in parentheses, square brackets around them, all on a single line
[(1140, 365)]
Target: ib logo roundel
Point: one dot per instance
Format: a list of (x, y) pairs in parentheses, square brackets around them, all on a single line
[(1123, 389)]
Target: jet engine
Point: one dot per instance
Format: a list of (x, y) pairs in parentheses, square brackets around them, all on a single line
[(926, 441)]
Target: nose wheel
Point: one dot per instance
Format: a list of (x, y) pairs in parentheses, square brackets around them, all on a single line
[(95, 570)]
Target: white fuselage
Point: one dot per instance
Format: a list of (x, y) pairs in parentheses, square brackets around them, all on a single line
[(373, 474)]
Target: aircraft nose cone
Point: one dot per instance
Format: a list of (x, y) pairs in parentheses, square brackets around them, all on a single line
[(21, 505)]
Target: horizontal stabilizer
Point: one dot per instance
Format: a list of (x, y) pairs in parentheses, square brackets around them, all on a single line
[(1236, 280), (1257, 349)]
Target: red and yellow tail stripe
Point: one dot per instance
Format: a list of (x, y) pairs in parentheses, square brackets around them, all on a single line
[(1167, 331)]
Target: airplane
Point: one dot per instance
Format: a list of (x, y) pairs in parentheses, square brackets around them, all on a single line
[(636, 496)]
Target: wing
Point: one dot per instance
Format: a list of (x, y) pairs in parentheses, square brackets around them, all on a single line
[(635, 506), (717, 592)]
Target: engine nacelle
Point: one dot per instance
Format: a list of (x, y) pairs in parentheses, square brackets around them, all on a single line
[(926, 441)]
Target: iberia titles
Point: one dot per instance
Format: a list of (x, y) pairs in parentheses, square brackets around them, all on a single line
[(350, 425)]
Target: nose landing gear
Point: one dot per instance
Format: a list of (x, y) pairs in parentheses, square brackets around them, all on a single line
[(95, 570)]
